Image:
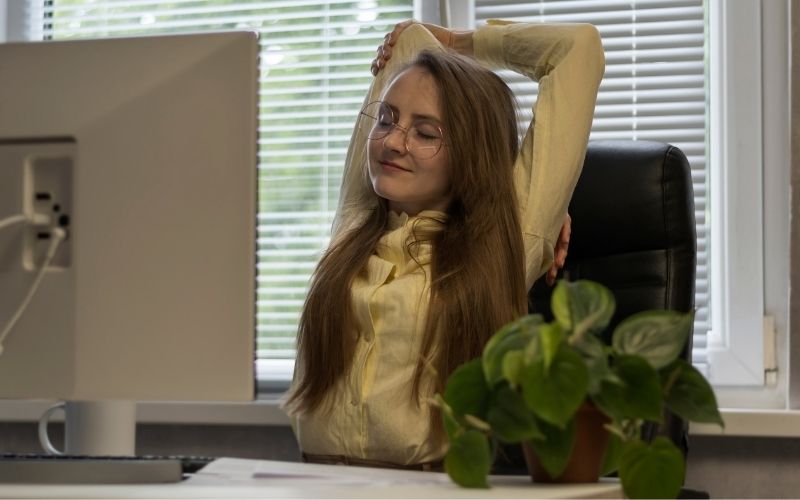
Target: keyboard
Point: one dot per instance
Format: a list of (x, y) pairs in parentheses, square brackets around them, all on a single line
[(79, 469)]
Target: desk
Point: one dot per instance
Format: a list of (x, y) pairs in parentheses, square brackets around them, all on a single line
[(237, 478)]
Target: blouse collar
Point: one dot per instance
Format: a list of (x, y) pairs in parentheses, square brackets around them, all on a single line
[(427, 219)]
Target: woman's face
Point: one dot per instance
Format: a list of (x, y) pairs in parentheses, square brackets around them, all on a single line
[(411, 184)]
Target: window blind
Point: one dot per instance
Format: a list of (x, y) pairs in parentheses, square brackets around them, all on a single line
[(315, 57), (654, 89)]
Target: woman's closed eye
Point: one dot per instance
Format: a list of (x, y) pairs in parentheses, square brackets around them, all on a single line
[(425, 132)]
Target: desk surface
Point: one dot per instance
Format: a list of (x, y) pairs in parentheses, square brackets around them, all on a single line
[(236, 478)]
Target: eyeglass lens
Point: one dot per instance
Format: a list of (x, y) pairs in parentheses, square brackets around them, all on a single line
[(423, 138)]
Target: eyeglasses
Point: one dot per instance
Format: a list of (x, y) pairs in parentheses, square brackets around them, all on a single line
[(423, 139)]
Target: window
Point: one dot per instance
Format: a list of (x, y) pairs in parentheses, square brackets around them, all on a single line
[(315, 57), (694, 73), (705, 75)]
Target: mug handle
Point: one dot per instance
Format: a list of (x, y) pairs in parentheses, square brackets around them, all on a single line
[(44, 420)]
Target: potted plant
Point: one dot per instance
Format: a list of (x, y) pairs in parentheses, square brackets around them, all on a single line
[(536, 382)]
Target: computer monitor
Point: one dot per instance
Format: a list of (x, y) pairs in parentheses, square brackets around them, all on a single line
[(148, 146)]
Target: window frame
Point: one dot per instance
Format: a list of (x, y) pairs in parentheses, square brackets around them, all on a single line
[(751, 302), (736, 354)]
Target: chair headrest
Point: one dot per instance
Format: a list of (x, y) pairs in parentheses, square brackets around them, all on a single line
[(632, 196)]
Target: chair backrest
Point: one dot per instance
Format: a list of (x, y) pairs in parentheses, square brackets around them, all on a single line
[(633, 230)]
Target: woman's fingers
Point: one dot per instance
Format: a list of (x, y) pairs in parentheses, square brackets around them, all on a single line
[(561, 249), (446, 37), (550, 279), (563, 241), (382, 54)]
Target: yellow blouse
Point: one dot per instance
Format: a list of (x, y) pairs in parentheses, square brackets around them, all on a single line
[(372, 415)]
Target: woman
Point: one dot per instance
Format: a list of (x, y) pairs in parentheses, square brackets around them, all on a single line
[(444, 223)]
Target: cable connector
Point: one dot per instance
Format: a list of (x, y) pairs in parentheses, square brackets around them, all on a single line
[(59, 235), (41, 220)]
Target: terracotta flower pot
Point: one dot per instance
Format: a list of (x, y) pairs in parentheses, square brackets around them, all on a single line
[(591, 440)]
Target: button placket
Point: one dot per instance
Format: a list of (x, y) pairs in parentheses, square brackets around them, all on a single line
[(378, 271)]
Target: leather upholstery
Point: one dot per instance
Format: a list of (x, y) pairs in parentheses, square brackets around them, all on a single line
[(633, 228)]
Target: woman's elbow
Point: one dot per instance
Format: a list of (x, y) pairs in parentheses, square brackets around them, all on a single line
[(588, 38)]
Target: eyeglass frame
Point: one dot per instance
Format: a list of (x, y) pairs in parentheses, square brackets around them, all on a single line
[(405, 130)]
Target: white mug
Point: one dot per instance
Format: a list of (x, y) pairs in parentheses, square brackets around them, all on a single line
[(93, 428)]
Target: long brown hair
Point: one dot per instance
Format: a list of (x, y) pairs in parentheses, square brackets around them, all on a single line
[(477, 268)]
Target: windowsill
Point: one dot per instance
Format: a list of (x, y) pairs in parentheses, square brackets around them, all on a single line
[(753, 423), (265, 411)]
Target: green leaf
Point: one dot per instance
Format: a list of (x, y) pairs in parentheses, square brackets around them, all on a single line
[(533, 351), (550, 337), (582, 306), (594, 354), (555, 449), (554, 395), (510, 418), (688, 394), (512, 367), (651, 471), (638, 397), (466, 391), (560, 305), (468, 460), (612, 456), (511, 337), (657, 336)]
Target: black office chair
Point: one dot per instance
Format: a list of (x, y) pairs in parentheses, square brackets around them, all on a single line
[(633, 230)]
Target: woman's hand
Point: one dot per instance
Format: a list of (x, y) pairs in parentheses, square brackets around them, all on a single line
[(460, 41), (562, 245)]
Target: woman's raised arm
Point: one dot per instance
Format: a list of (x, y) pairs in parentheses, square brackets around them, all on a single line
[(567, 61)]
